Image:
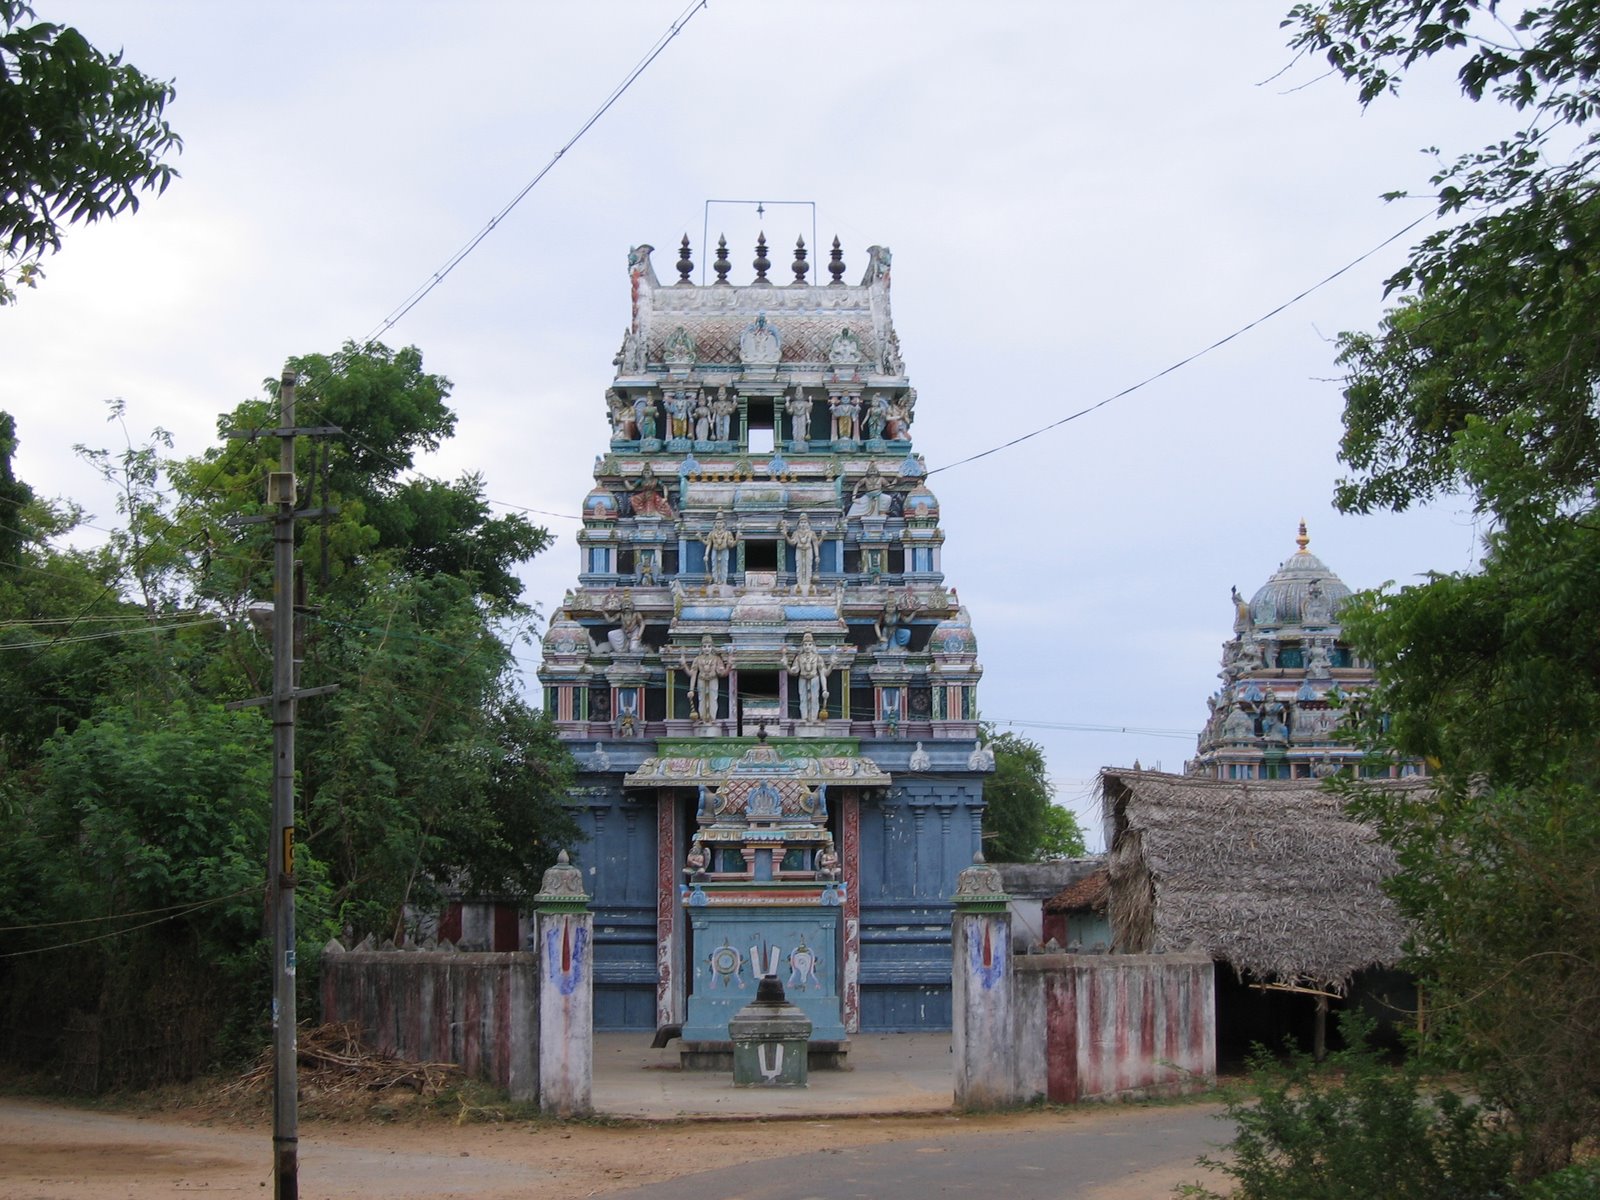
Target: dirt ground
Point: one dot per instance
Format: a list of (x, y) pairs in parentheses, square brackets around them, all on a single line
[(53, 1152)]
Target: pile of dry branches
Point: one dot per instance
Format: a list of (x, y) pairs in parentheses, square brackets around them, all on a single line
[(333, 1063)]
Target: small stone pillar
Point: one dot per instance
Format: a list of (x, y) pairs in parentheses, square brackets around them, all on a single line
[(770, 1038), (565, 929), (982, 1019)]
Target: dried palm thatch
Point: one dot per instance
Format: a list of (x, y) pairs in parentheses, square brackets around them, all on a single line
[(1271, 877)]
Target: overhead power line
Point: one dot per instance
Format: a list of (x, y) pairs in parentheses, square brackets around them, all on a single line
[(183, 911), (1183, 362), (456, 259), (1071, 727), (130, 631)]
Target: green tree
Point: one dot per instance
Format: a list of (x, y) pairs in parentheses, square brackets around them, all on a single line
[(424, 773), (425, 770), (1062, 837), (161, 812), (389, 410), (57, 608), (1482, 377), (1016, 800), (15, 496), (1483, 373), (81, 135)]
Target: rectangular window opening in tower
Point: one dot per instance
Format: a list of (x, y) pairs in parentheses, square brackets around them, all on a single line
[(762, 432)]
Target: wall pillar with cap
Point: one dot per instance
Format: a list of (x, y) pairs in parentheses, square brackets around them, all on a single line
[(982, 1014), (565, 929)]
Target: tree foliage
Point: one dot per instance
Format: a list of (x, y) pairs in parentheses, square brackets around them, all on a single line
[(1483, 377), (1489, 359), (14, 496), (1016, 800), (137, 793), (390, 410), (1063, 836), (1355, 1126), (81, 136)]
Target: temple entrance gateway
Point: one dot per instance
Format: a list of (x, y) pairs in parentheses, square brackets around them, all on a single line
[(761, 667)]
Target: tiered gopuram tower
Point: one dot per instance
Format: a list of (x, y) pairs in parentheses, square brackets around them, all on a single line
[(1288, 677), (770, 691)]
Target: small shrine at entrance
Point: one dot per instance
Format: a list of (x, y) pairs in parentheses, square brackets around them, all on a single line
[(763, 884), (767, 685)]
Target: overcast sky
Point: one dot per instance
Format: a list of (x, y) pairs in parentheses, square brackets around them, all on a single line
[(1077, 196)]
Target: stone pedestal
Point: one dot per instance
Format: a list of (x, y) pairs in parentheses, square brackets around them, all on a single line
[(735, 946), (982, 1015), (565, 931), (770, 1038)]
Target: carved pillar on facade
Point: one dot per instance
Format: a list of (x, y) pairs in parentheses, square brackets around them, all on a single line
[(669, 987), (850, 837)]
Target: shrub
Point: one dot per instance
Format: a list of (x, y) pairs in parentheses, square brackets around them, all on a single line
[(1355, 1128)]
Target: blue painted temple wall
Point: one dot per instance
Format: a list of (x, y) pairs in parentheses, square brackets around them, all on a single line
[(912, 847)]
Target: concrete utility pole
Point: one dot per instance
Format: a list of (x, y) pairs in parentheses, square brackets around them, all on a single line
[(285, 1042), (282, 491)]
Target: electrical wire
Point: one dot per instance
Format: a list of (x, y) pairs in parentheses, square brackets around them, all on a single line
[(1183, 362), (1071, 727), (456, 259), (111, 633), (100, 937), (143, 912)]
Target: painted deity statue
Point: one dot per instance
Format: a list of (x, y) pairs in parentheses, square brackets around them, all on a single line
[(644, 416), (846, 410), (900, 415), (877, 417), (1318, 663), (621, 413), (811, 671), (705, 669), (893, 626), (1246, 656), (1318, 608), (649, 498), (759, 343), (870, 497), (702, 418), (1241, 612), (798, 406), (629, 637), (677, 406), (720, 541), (722, 410), (807, 543)]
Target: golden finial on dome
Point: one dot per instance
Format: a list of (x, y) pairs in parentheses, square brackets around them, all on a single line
[(1302, 541)]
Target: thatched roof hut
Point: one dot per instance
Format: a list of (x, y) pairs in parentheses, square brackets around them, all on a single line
[(1270, 877)]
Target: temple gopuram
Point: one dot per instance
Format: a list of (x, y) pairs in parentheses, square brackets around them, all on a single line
[(1288, 678), (768, 689)]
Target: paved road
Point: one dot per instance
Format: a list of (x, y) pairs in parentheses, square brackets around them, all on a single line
[(1144, 1153)]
